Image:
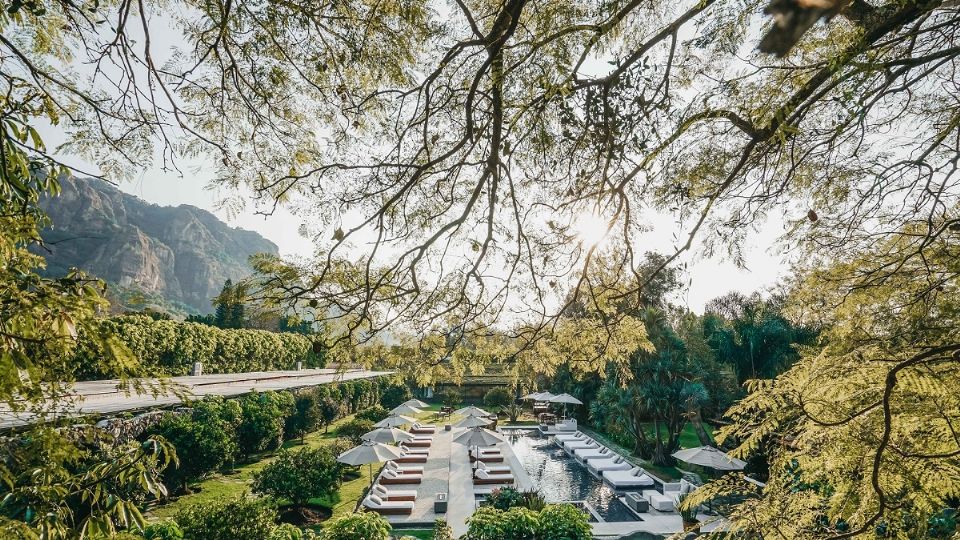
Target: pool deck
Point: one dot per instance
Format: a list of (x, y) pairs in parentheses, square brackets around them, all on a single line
[(448, 470)]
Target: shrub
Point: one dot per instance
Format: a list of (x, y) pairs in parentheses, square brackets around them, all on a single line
[(449, 397), (513, 411), (164, 530), (521, 524), (505, 498), (306, 416), (242, 518), (374, 414), (203, 444), (354, 429), (330, 409), (358, 526), (394, 395), (299, 476), (564, 522), (262, 422), (498, 398), (442, 531)]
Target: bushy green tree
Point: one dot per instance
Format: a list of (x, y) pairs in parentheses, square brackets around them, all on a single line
[(306, 416), (394, 395), (450, 397), (300, 475), (498, 398), (263, 415), (374, 414), (564, 522), (163, 530), (330, 410), (354, 429), (357, 526), (240, 518), (203, 442)]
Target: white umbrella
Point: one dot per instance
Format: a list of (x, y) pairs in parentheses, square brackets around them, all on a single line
[(533, 396), (387, 435), (415, 403), (394, 420), (544, 396), (369, 453), (403, 408), (472, 411), (564, 398), (473, 421), (478, 437), (708, 456)]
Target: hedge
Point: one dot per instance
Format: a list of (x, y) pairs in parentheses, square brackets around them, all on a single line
[(171, 347)]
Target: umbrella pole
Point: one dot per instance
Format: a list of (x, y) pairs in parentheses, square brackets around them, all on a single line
[(371, 474)]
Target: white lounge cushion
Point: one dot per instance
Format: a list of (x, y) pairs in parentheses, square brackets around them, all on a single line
[(629, 478), (373, 502), (568, 436), (487, 474), (584, 454), (381, 491), (494, 468), (404, 469), (659, 501), (609, 464), (392, 474), (581, 445)]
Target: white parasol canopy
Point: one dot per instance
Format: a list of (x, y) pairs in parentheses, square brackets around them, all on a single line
[(473, 421), (478, 437), (415, 403), (387, 435), (564, 398), (403, 408), (394, 420), (708, 456), (369, 453), (472, 411)]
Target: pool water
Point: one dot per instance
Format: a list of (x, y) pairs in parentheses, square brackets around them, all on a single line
[(559, 478)]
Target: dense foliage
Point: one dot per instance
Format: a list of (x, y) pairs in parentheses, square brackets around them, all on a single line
[(553, 522), (241, 518), (59, 485), (300, 475), (357, 526), (354, 429), (497, 398), (171, 347), (205, 437)]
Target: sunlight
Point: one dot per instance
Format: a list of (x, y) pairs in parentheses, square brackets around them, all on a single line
[(590, 228)]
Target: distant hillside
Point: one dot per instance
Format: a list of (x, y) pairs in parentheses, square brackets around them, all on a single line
[(160, 256)]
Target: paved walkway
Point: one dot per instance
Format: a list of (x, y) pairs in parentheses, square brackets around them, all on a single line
[(108, 396), (436, 472)]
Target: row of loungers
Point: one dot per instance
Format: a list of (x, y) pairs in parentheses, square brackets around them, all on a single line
[(390, 501), (486, 477), (603, 462)]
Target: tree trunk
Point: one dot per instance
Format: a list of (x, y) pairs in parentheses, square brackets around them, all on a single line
[(693, 414)]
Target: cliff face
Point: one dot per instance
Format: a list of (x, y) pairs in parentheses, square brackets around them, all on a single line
[(179, 254)]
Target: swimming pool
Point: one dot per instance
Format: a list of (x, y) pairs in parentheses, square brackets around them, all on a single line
[(559, 478)]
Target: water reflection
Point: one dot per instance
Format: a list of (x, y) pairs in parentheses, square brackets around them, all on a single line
[(560, 478)]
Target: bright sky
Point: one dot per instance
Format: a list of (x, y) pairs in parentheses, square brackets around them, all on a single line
[(707, 277)]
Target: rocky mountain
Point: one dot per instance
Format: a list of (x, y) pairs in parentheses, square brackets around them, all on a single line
[(149, 254)]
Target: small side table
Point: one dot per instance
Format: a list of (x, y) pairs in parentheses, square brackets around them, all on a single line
[(447, 427), (636, 502), (440, 503)]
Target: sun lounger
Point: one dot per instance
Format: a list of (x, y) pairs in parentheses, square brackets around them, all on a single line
[(491, 455), (419, 443), (412, 458), (634, 477), (419, 428), (599, 466), (484, 477), (569, 436), (493, 469), (390, 477), (582, 442), (414, 450), (380, 506), (394, 494), (405, 469), (573, 447), (584, 454)]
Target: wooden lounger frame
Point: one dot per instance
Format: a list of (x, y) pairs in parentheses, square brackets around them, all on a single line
[(403, 479)]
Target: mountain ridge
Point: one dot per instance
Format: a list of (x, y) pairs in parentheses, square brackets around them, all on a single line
[(181, 254)]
